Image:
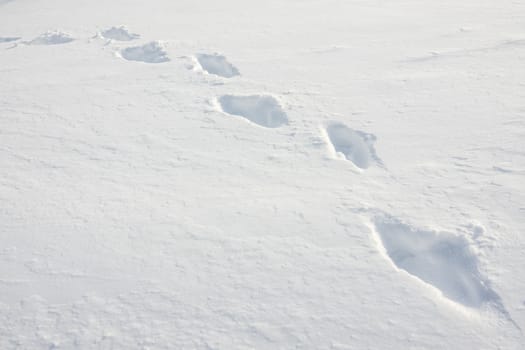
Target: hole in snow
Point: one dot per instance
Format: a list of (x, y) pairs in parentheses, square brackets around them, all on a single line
[(119, 33), (218, 65), (51, 38), (356, 146), (150, 53), (259, 109), (443, 260)]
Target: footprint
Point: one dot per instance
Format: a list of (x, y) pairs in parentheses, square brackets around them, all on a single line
[(119, 34), (152, 52), (8, 39), (443, 260), (356, 146), (263, 110), (51, 38), (217, 64)]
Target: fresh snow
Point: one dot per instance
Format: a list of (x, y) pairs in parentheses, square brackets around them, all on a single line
[(119, 34), (359, 186), (151, 52), (51, 38), (217, 64), (8, 39), (356, 146), (443, 260), (259, 109)]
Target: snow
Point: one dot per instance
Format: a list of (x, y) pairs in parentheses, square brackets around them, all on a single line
[(441, 259), (217, 64), (119, 33), (8, 39), (356, 146), (259, 109), (359, 186), (151, 52), (51, 38)]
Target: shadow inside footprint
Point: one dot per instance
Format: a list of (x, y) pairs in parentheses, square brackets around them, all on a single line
[(356, 146), (442, 260), (8, 39), (262, 110), (151, 52), (119, 34), (218, 65)]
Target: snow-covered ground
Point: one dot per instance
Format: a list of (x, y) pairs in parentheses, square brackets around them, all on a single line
[(235, 174)]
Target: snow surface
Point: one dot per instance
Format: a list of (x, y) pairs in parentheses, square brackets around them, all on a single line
[(51, 38), (217, 64), (119, 33), (8, 39), (359, 186), (354, 145), (151, 52), (440, 259), (259, 109)]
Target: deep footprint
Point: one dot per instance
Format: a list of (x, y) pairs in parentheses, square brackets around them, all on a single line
[(442, 260), (263, 110), (218, 65), (119, 34), (51, 38), (356, 146), (151, 52)]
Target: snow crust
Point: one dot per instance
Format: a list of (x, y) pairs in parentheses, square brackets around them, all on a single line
[(359, 186)]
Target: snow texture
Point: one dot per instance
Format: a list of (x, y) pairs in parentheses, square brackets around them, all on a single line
[(218, 65), (262, 110), (52, 38), (355, 146), (443, 260), (8, 39), (152, 52), (119, 33), (359, 186)]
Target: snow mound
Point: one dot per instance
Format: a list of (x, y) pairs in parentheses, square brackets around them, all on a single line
[(442, 260), (51, 38), (356, 146), (263, 110), (8, 39), (218, 65), (152, 52), (119, 34)]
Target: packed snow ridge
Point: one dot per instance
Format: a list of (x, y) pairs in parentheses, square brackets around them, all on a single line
[(51, 38), (443, 260), (217, 65), (354, 145), (152, 52), (119, 34), (263, 110)]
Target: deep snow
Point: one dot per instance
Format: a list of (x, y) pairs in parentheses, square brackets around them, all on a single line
[(262, 175)]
